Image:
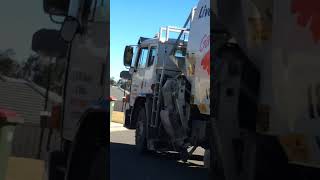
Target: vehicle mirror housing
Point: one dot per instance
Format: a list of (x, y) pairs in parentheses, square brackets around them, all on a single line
[(69, 28), (56, 7), (131, 70), (125, 75), (127, 57), (49, 43)]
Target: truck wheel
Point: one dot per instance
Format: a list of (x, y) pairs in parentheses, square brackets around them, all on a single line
[(141, 127), (56, 162), (271, 160), (206, 159)]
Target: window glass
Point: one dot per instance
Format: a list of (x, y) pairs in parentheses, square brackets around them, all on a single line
[(98, 10), (152, 55), (143, 58), (134, 57)]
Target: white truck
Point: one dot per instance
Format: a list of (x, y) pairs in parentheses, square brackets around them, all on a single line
[(169, 96), (83, 116), (263, 88)]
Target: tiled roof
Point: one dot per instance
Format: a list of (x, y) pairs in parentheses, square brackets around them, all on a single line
[(25, 98)]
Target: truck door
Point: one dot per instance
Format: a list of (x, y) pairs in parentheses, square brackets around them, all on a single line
[(149, 72), (87, 73), (139, 73)]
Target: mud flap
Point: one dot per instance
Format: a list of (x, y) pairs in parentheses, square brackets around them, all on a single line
[(56, 165)]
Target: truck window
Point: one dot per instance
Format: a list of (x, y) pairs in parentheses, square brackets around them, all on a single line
[(152, 55), (98, 11), (143, 58)]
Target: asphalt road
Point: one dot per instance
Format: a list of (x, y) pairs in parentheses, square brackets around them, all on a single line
[(126, 163)]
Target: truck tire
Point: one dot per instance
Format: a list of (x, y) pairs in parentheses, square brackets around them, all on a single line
[(206, 158), (89, 144), (140, 134), (99, 167), (271, 160), (56, 162)]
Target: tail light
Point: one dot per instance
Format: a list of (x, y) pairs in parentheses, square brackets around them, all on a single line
[(126, 98), (55, 116), (111, 98)]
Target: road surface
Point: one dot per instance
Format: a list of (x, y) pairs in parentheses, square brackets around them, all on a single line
[(125, 163)]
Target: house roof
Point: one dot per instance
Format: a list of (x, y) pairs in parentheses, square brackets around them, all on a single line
[(24, 97)]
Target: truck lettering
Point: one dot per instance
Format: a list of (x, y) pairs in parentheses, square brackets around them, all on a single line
[(80, 90), (204, 12), (81, 76)]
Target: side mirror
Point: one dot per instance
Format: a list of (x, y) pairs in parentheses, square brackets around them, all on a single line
[(49, 43), (69, 28), (56, 7), (127, 57), (131, 70), (125, 75)]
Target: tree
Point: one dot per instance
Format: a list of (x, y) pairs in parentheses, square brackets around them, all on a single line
[(112, 81), (8, 66), (124, 84), (28, 68), (34, 70)]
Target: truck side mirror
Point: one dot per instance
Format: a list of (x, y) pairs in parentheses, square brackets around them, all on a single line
[(56, 7), (127, 57), (49, 43), (69, 28), (125, 75)]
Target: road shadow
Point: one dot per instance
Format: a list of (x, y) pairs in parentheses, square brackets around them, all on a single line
[(126, 163)]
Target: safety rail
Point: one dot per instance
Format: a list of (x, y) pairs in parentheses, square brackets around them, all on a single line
[(166, 32)]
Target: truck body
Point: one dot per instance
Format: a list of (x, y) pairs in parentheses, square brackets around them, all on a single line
[(169, 102), (84, 114)]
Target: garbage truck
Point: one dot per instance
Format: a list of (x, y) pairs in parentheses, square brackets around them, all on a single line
[(261, 79), (82, 119), (169, 102)]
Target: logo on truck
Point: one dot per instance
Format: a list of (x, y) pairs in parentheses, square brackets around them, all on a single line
[(205, 62), (204, 12), (308, 15)]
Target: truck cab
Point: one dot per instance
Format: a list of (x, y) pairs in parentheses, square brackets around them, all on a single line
[(148, 58)]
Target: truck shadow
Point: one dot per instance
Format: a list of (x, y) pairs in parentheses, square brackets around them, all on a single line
[(126, 163)]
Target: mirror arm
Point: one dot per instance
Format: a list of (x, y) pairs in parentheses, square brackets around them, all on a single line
[(94, 11), (54, 21)]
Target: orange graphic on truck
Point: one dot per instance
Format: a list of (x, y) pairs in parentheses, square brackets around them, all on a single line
[(204, 44), (205, 62)]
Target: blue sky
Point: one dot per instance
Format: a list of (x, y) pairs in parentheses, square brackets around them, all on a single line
[(131, 19)]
